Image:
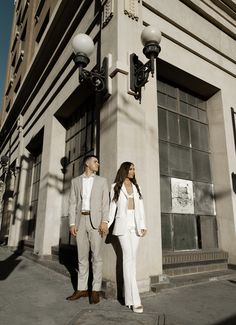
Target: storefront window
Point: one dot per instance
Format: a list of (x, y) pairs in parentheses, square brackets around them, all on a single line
[(187, 196)]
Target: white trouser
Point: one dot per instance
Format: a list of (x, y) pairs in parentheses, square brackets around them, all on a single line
[(129, 244)]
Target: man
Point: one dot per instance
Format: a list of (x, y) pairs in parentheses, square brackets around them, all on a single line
[(88, 217)]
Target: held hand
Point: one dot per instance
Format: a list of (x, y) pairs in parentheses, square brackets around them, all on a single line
[(73, 230), (143, 232), (103, 228)]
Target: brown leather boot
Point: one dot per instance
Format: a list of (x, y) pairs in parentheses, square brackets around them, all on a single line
[(78, 294), (95, 297)]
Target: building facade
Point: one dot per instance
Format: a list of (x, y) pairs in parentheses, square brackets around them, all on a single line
[(181, 136)]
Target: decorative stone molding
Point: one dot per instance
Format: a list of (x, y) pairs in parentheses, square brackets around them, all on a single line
[(131, 9), (108, 12)]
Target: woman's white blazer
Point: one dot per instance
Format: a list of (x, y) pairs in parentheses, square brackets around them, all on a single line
[(118, 211)]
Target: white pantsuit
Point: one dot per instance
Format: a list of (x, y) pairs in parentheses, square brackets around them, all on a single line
[(128, 226)]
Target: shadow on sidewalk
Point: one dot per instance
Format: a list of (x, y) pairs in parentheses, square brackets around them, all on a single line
[(114, 241), (68, 257), (228, 321), (9, 264)]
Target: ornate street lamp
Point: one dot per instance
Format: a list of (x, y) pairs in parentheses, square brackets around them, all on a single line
[(83, 47), (139, 72), (4, 161)]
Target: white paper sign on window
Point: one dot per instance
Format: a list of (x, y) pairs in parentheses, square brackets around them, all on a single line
[(182, 196)]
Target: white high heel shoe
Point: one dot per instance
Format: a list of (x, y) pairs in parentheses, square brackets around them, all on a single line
[(138, 309)]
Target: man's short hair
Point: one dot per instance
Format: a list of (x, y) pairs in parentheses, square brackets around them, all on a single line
[(86, 158)]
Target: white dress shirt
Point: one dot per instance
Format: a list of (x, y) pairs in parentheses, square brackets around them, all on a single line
[(87, 188)]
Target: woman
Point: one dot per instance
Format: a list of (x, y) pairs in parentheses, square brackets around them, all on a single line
[(127, 209)]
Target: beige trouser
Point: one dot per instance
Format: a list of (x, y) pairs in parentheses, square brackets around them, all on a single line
[(88, 238)]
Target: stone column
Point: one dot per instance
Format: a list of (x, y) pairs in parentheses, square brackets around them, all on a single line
[(129, 132), (19, 210), (51, 188)]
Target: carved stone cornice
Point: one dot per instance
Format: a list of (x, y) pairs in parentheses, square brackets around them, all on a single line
[(131, 9), (108, 12)]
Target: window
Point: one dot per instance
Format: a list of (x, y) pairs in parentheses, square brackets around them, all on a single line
[(17, 86), (79, 138), (43, 27), (8, 106), (35, 195), (39, 10), (185, 160)]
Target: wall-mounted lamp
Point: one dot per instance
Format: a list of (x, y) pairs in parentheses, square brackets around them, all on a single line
[(233, 176), (4, 161), (139, 72), (83, 47)]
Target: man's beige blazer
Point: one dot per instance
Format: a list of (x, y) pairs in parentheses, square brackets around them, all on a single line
[(99, 201)]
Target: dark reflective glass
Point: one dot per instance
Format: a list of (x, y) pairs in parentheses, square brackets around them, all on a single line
[(165, 187), (166, 232), (163, 153), (184, 131), (162, 124), (204, 198), (180, 162), (185, 231), (201, 166), (173, 127)]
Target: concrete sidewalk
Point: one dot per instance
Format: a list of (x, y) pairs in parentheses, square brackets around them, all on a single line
[(31, 294)]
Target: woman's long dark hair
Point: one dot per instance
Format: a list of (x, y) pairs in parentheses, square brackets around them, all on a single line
[(121, 175)]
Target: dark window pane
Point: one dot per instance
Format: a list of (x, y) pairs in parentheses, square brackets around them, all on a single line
[(183, 95), (173, 127), (89, 116), (73, 128), (171, 103), (203, 137), (166, 232), (170, 90), (165, 194), (208, 236), (192, 100), (163, 152), (162, 99), (77, 145), (202, 115), (82, 121), (72, 148), (183, 108), (162, 123), (180, 162), (204, 198), (83, 142), (201, 104), (194, 126), (184, 131), (161, 86), (193, 112), (185, 232), (201, 166), (89, 138)]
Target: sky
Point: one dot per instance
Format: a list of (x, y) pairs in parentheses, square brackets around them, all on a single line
[(6, 16)]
